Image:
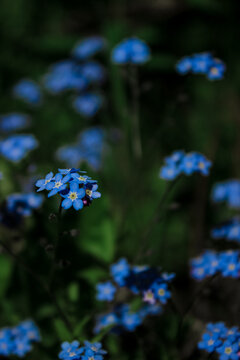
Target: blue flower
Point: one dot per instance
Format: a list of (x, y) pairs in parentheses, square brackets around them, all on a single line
[(94, 347), (70, 171), (228, 351), (106, 291), (41, 184), (210, 342), (58, 184), (29, 330), (229, 264), (23, 204), (206, 265), (93, 71), (161, 292), (203, 165), (28, 91), (73, 197), (133, 51), (184, 65), (169, 172), (88, 104), (120, 271), (189, 164), (14, 122), (130, 321), (201, 63), (6, 344), (105, 320), (88, 47), (82, 179), (16, 147), (218, 328), (21, 346), (175, 157), (91, 191), (217, 70), (70, 351)]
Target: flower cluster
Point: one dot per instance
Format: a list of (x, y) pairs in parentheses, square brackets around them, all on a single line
[(181, 163), (223, 341), (28, 91), (203, 63), (89, 351), (78, 74), (228, 191), (13, 122), (131, 51), (226, 263), (75, 188), (89, 148), (23, 204), (229, 231), (122, 318), (18, 340), (16, 147), (148, 282)]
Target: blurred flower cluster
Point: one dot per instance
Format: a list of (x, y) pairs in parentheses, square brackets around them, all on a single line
[(228, 191), (147, 282), (226, 263), (89, 351), (203, 63), (18, 340), (223, 341), (76, 189), (229, 231), (181, 163), (131, 51)]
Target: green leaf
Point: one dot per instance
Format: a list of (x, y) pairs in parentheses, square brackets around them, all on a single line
[(93, 275), (6, 267), (73, 291), (62, 331)]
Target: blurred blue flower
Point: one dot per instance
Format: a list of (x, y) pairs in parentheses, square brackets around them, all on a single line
[(228, 231), (228, 351), (210, 342), (70, 351), (228, 191), (88, 104), (217, 70), (14, 122), (93, 71), (105, 291), (130, 321), (29, 91), (120, 271), (184, 65), (201, 63), (89, 47), (16, 147), (23, 204), (132, 50)]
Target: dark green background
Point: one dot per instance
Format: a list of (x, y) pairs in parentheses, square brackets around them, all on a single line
[(177, 112)]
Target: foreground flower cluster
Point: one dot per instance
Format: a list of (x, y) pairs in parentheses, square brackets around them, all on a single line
[(221, 340), (226, 263), (181, 163), (18, 340), (77, 190), (73, 351), (147, 282), (203, 63)]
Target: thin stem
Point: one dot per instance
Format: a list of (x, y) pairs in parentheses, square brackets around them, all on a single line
[(136, 134), (156, 219), (40, 282)]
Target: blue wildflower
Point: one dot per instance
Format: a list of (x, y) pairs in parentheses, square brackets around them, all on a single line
[(70, 351), (14, 122), (201, 63), (210, 342), (16, 147), (94, 347), (130, 321), (23, 204), (120, 271), (161, 292), (169, 172), (41, 184), (91, 191), (184, 65), (88, 47), (28, 91), (58, 184), (93, 71), (105, 291), (133, 51), (88, 104), (217, 328), (228, 351), (21, 346), (217, 70), (229, 264), (73, 197)]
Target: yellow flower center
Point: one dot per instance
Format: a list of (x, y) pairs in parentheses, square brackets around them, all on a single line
[(73, 196), (88, 192), (72, 354), (94, 348), (231, 266), (47, 181), (228, 350), (210, 342), (201, 165), (161, 292), (58, 184), (81, 178), (214, 71)]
